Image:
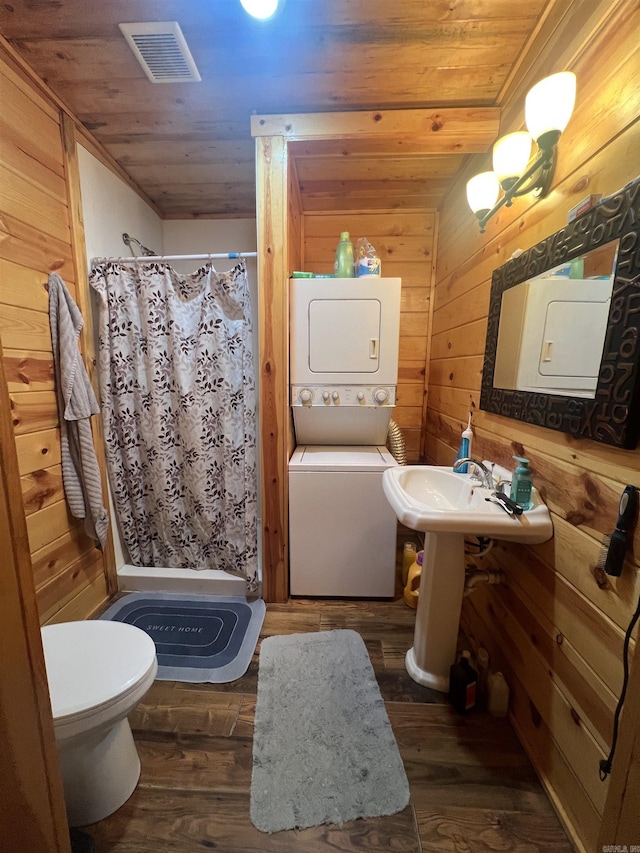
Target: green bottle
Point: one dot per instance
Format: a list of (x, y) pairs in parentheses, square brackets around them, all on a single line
[(521, 483), (343, 267)]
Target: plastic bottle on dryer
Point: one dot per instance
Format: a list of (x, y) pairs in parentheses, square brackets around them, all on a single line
[(343, 267)]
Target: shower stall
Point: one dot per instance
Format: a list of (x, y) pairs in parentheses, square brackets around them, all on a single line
[(177, 391), (189, 249)]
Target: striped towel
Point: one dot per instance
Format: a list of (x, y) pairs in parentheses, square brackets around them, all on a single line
[(76, 404)]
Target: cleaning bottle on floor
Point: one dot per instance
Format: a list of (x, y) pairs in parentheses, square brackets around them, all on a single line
[(463, 684), (408, 559), (412, 587), (498, 700), (482, 663)]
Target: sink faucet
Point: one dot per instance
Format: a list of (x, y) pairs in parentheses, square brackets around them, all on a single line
[(481, 472)]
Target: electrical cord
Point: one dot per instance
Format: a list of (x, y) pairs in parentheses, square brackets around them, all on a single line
[(483, 544), (605, 764)]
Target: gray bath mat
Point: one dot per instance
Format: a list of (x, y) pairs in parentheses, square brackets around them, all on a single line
[(199, 638), (323, 748)]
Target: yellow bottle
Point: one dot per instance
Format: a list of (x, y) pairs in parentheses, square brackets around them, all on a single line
[(412, 587), (408, 559)]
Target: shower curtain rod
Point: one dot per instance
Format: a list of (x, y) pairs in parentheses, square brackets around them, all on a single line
[(207, 257)]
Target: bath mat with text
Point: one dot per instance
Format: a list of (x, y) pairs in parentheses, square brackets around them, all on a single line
[(323, 747), (199, 638)]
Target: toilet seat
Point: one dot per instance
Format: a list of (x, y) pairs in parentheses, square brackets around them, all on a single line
[(93, 668)]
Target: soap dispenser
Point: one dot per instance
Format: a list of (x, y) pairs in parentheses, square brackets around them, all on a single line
[(522, 483)]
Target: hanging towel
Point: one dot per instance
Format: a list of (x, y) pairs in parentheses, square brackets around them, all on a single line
[(76, 404)]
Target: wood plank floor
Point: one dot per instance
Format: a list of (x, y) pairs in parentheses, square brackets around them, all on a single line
[(472, 786)]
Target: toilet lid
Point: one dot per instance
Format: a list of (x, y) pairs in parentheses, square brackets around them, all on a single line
[(92, 663)]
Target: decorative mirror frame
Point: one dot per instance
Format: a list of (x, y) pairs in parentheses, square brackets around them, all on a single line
[(613, 416)]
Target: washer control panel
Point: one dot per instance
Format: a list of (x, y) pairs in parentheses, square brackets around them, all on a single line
[(326, 396)]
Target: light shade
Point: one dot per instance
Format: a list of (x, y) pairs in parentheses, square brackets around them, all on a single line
[(260, 8), (548, 107), (510, 157), (482, 191)]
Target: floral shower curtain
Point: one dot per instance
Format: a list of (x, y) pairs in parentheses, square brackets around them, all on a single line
[(177, 394)]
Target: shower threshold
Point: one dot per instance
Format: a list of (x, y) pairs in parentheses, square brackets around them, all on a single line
[(199, 582)]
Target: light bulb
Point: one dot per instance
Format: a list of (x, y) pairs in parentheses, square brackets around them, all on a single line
[(260, 8), (548, 107), (482, 192), (510, 157)]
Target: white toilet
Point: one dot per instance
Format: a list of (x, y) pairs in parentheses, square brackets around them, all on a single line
[(98, 671)]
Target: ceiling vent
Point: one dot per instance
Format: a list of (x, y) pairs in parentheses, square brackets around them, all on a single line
[(162, 51)]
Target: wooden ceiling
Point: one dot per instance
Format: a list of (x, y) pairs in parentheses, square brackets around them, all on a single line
[(188, 146)]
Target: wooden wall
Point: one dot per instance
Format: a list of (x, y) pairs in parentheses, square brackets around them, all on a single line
[(32, 813), (40, 231), (405, 243), (556, 629)]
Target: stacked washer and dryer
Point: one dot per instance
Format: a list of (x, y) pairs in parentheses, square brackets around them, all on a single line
[(344, 336)]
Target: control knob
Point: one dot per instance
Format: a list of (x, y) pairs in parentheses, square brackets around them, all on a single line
[(335, 396), (325, 396), (305, 395), (381, 395), (360, 395)]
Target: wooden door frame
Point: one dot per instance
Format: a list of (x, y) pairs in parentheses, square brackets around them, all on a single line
[(32, 816)]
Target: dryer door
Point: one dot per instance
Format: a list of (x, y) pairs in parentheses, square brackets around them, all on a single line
[(344, 335), (344, 331)]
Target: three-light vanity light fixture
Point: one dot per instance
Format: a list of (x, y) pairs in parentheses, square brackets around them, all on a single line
[(548, 108)]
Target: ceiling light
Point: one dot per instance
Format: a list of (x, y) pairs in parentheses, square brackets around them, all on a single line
[(548, 108), (261, 9)]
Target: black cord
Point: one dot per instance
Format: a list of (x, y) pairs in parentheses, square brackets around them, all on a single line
[(480, 544), (605, 764)]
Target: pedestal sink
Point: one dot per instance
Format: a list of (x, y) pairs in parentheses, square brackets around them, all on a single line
[(448, 506)]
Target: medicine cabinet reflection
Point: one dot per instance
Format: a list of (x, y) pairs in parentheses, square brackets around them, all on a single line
[(563, 348)]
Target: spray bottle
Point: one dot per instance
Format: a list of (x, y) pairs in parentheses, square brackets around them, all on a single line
[(464, 451)]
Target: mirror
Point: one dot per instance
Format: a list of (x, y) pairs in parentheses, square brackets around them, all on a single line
[(563, 348), (552, 327)]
